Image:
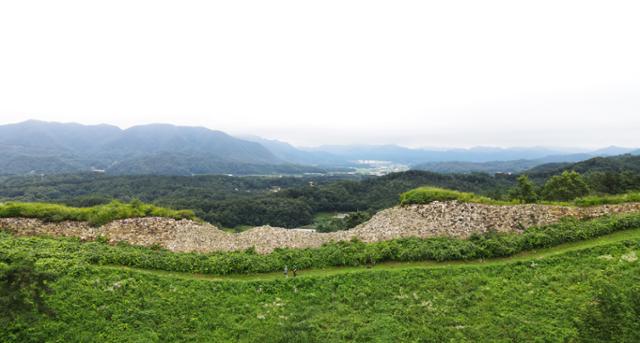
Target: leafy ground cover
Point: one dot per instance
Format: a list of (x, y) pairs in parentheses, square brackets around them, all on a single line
[(95, 215), (352, 253), (586, 295), (391, 266)]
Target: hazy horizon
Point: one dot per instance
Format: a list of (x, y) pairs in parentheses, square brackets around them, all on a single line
[(568, 149), (416, 74)]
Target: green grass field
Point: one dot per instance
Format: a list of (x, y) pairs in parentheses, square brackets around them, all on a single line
[(574, 281), (580, 291), (629, 235)]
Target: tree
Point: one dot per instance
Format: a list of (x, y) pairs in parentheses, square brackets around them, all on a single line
[(524, 191), (613, 182), (565, 187)]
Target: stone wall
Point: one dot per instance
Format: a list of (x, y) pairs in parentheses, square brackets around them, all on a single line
[(436, 219)]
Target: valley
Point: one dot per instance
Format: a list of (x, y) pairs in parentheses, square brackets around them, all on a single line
[(319, 171), (548, 252), (425, 263)]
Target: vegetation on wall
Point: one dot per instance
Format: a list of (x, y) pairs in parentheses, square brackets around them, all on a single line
[(425, 195), (344, 253), (294, 201), (95, 215), (231, 201)]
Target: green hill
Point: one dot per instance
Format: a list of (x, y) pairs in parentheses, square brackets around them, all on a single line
[(613, 164)]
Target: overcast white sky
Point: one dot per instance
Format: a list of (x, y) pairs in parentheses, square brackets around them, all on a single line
[(415, 73)]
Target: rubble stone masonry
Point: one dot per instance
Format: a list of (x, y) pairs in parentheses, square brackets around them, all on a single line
[(453, 219)]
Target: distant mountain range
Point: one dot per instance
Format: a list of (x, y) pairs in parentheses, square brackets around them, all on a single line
[(289, 153), (42, 147), (398, 154), (554, 162), (162, 149)]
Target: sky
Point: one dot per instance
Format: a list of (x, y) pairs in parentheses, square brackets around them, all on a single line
[(415, 73)]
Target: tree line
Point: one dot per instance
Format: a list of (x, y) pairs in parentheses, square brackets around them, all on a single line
[(295, 201)]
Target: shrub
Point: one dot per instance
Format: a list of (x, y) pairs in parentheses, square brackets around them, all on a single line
[(425, 195)]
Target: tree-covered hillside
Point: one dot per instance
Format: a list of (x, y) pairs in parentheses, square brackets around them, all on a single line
[(613, 164), (295, 201), (231, 201)]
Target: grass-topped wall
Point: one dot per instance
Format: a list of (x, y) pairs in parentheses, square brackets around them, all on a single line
[(426, 195), (96, 215)]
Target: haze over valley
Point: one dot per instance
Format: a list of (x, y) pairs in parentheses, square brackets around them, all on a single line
[(164, 149), (295, 171)]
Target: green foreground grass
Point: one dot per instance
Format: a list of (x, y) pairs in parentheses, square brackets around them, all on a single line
[(584, 291), (575, 281)]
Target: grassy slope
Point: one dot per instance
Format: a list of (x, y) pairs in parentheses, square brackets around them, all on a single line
[(394, 266), (522, 300), (351, 253)]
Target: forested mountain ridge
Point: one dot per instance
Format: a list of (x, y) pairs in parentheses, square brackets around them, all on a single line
[(160, 138), (289, 153), (42, 147), (413, 156), (39, 136), (544, 166), (162, 149), (515, 166), (614, 164)]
